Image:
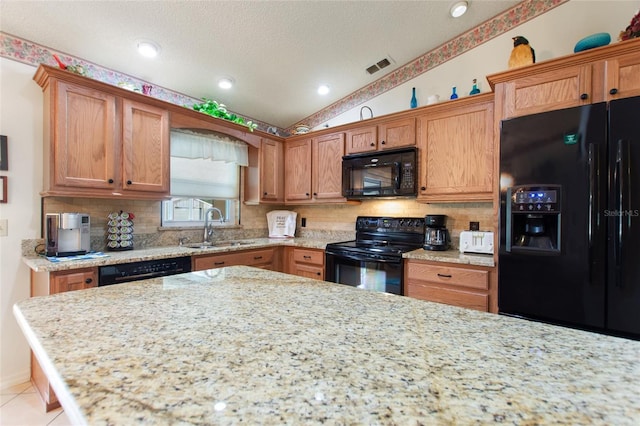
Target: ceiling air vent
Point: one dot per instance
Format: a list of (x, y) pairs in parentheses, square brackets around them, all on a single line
[(378, 65)]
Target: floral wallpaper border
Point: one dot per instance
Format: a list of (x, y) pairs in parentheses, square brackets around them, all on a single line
[(511, 18), (27, 52)]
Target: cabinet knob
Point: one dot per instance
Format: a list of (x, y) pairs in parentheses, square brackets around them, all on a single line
[(423, 188), (306, 193), (613, 91), (315, 194), (129, 182), (318, 273), (383, 143), (584, 96), (264, 193), (88, 281), (218, 263), (110, 180), (373, 144)]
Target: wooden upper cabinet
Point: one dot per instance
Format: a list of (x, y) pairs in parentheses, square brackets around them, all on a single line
[(397, 133), (313, 169), (548, 91), (456, 151), (101, 141), (596, 75), (80, 128), (297, 156), (386, 135), (327, 167), (362, 139), (622, 76), (145, 147), (271, 171)]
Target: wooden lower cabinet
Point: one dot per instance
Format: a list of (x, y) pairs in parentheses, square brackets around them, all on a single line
[(473, 287), (266, 258), (305, 262), (43, 284)]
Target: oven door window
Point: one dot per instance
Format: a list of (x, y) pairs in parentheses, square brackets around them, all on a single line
[(366, 274)]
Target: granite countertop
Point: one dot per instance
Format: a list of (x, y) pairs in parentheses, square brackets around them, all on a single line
[(40, 263), (452, 256), (244, 345)]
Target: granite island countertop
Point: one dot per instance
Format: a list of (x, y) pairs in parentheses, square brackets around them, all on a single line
[(244, 345)]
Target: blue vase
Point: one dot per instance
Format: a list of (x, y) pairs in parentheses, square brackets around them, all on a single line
[(474, 89), (454, 95), (414, 101)]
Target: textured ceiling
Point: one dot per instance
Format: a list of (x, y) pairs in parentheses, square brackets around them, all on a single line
[(278, 52)]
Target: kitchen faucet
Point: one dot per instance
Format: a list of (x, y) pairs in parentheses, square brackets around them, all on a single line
[(208, 227)]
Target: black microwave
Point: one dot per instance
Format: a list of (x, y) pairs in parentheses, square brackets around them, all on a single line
[(381, 174)]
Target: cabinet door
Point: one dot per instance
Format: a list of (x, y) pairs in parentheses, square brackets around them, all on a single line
[(397, 133), (307, 263), (562, 88), (271, 170), (327, 167), (298, 170), (145, 147), (85, 147), (456, 155), (362, 139), (78, 279), (623, 77)]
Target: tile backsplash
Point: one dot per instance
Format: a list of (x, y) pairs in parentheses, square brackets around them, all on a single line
[(322, 221)]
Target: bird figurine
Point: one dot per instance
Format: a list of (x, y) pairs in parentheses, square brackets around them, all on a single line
[(522, 53)]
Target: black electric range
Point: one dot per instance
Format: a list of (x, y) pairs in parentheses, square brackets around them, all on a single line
[(373, 261)]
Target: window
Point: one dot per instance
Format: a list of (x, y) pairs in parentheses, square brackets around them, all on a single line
[(205, 173)]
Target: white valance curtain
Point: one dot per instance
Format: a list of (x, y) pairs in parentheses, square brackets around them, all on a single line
[(206, 165), (209, 146)]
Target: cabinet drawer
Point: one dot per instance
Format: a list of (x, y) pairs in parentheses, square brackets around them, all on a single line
[(249, 258), (471, 278), (315, 257), (257, 257), (449, 296)]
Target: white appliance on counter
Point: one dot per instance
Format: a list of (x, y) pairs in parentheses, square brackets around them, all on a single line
[(282, 223), (480, 242)]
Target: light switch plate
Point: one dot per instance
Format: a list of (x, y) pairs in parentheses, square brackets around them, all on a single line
[(4, 227)]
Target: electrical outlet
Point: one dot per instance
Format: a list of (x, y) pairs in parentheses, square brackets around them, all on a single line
[(303, 222), (4, 227)]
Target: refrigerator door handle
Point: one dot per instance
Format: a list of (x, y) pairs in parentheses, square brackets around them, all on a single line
[(594, 205), (620, 183)]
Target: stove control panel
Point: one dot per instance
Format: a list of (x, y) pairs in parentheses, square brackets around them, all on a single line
[(390, 224)]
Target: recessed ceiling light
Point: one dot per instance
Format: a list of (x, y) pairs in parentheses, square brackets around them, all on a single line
[(458, 9), (225, 83), (148, 49), (323, 89)]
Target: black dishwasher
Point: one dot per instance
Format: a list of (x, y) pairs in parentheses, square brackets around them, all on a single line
[(125, 272)]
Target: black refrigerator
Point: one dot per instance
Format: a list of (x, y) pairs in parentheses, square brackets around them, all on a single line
[(569, 250)]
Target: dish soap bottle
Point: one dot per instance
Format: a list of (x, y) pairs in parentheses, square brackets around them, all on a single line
[(474, 89), (414, 101), (454, 95)]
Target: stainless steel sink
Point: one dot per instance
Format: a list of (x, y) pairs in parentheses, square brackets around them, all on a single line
[(208, 245)]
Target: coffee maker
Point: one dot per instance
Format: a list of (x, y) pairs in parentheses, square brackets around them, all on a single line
[(67, 234), (436, 235)]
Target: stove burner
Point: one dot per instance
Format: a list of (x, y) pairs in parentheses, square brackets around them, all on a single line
[(386, 235)]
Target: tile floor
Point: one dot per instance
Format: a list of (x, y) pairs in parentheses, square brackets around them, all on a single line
[(20, 405)]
